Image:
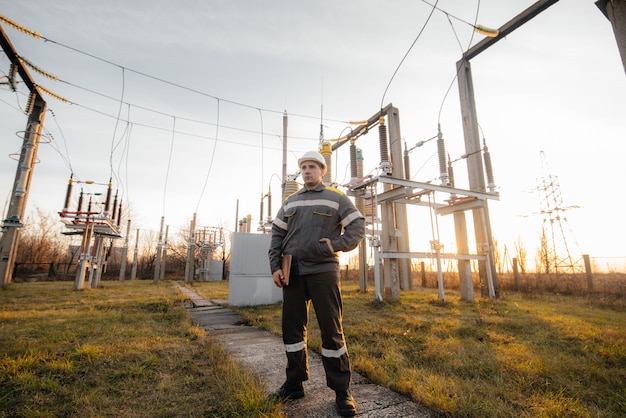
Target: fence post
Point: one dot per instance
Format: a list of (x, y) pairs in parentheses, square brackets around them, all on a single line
[(423, 271), (515, 275), (588, 272)]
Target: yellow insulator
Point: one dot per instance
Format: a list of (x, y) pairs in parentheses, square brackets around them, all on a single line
[(326, 150), (19, 27), (369, 212), (291, 187), (484, 30)]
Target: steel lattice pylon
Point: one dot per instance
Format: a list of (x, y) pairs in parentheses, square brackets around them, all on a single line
[(559, 250)]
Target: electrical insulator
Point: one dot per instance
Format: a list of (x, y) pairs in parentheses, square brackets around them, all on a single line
[(107, 202), (114, 207), (359, 173), (353, 168), (261, 210), (441, 151), (451, 175), (291, 187), (450, 172), (80, 202), (327, 152), (12, 75), (491, 185), (384, 147), (407, 165), (31, 103), (484, 30), (119, 215), (68, 195)]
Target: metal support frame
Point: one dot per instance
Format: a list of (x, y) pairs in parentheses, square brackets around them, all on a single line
[(482, 225), (92, 226), (124, 257), (24, 173), (208, 240), (409, 191), (394, 234)]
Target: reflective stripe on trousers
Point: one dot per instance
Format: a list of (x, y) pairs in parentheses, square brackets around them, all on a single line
[(323, 291)]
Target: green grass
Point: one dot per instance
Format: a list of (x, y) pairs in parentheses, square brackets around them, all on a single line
[(126, 349), (517, 356), (129, 349)]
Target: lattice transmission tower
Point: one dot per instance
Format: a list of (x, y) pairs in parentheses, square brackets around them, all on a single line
[(559, 251)]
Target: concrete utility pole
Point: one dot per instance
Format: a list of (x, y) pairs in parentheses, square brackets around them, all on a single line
[(133, 270), (615, 11), (157, 259), (164, 253), (394, 219), (482, 224), (21, 187), (124, 257), (191, 246), (284, 173)]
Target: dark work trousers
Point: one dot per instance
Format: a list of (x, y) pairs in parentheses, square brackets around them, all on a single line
[(323, 290)]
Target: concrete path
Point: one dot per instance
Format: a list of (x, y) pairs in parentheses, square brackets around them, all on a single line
[(263, 353)]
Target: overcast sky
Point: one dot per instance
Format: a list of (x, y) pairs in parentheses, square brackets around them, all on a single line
[(181, 104)]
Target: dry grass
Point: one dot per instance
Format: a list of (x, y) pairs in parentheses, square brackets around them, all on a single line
[(130, 350), (519, 355), (124, 350)]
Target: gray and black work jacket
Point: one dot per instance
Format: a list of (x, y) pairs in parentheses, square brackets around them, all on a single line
[(306, 217)]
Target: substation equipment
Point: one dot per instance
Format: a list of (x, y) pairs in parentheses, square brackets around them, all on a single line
[(209, 239), (98, 222), (390, 244)]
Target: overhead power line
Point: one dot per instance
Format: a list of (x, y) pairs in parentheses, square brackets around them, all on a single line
[(37, 35)]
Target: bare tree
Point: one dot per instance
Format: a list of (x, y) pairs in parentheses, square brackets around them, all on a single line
[(497, 256), (41, 240), (544, 257), (521, 253), (41, 246), (147, 254)]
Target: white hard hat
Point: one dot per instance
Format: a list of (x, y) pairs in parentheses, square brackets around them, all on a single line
[(312, 156)]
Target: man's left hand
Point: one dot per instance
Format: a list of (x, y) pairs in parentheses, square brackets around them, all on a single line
[(330, 245)]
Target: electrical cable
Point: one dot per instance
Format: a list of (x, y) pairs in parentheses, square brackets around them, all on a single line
[(125, 137), (16, 92), (169, 162), (66, 157), (262, 157), (206, 179), (179, 117), (12, 106), (474, 25), (456, 74), (382, 101), (125, 158), (117, 121), (173, 84), (121, 102), (178, 132), (423, 165)]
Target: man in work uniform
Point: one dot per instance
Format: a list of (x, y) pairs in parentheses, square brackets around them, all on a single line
[(312, 225)]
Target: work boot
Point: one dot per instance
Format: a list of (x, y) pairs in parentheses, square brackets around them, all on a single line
[(289, 390), (346, 406)]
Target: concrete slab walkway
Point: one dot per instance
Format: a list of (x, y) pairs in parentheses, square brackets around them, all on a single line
[(263, 353)]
